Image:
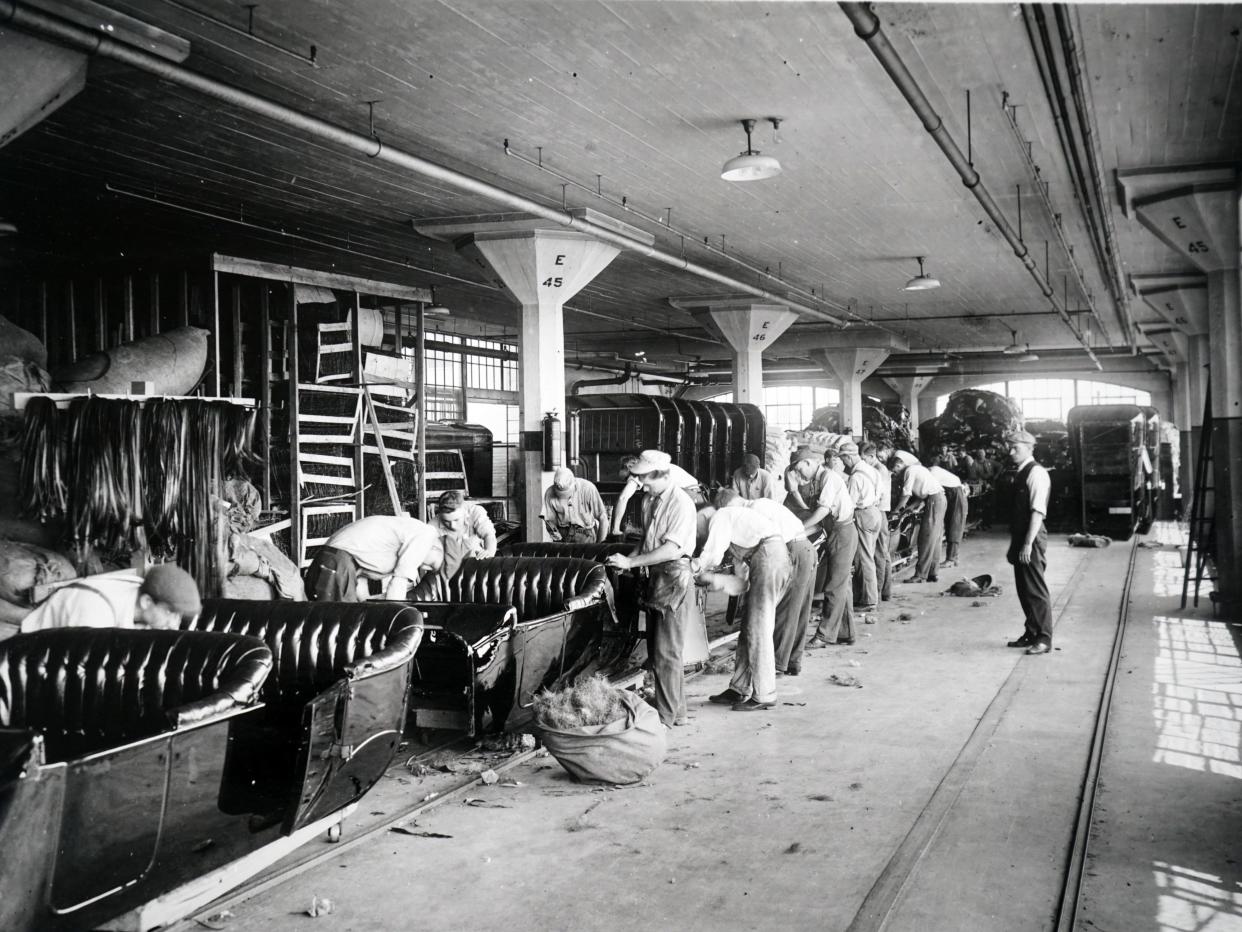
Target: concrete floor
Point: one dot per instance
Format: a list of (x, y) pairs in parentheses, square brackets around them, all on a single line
[(942, 795)]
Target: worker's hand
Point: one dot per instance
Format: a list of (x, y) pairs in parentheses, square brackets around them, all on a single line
[(619, 561), (486, 554), (1024, 555)]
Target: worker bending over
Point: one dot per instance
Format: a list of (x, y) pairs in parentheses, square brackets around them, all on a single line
[(919, 484), (573, 511), (395, 548), (163, 597), (465, 531), (756, 545)]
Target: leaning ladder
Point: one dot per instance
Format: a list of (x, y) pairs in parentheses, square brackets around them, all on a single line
[(1201, 546)]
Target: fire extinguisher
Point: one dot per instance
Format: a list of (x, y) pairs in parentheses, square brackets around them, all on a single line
[(551, 441)]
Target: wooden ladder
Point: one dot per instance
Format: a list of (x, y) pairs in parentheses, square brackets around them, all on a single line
[(1201, 547)]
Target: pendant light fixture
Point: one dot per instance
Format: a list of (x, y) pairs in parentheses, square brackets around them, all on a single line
[(922, 281), (751, 165), (1017, 352), (435, 308)]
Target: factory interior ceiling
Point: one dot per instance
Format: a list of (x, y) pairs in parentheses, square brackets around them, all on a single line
[(629, 109)]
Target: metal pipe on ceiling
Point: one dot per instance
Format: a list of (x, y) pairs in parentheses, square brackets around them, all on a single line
[(43, 24), (1086, 122), (867, 28)]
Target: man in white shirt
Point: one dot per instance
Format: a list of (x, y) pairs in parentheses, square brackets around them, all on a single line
[(875, 457), (863, 485), (832, 509), (752, 481), (754, 542), (573, 510), (678, 477), (395, 548), (160, 598), (957, 505), (1028, 544), (918, 483), (793, 611)]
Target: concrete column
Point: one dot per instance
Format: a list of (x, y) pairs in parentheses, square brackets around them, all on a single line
[(541, 266), (851, 356), (908, 390), (1225, 313), (1196, 211), (748, 327)]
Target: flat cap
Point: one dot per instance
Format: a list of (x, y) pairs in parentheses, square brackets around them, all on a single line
[(1019, 436), (847, 447)]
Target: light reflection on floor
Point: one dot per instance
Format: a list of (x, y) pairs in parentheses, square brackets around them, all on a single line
[(1197, 707)]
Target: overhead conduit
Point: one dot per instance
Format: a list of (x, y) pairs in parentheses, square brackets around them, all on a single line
[(43, 24), (867, 28)]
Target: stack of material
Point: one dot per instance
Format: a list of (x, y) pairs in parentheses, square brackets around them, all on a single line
[(823, 441), (1052, 449), (973, 420), (879, 426)]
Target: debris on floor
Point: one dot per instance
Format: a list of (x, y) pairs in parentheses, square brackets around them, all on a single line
[(980, 586), (416, 832), (906, 616), (218, 920), (720, 664), (1088, 540), (320, 906), (845, 679)]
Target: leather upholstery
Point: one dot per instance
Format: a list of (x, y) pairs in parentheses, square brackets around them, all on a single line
[(89, 689), (536, 587), (314, 644), (596, 552)]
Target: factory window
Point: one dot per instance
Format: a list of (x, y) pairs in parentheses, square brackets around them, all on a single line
[(479, 368), (1102, 393), (791, 407)]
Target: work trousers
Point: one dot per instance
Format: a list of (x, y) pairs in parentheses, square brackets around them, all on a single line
[(1032, 588), (957, 506), (668, 605), (754, 664), (884, 559), (836, 620), (576, 534), (332, 576), (866, 582), (931, 529), (793, 612)]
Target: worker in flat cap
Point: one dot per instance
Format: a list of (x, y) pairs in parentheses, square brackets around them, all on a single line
[(573, 510), (863, 484), (752, 481), (633, 484), (668, 542), (832, 512), (465, 531), (1028, 543), (163, 597)]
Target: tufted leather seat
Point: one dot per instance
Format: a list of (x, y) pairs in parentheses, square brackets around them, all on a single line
[(315, 644), (89, 689), (536, 587), (596, 552)]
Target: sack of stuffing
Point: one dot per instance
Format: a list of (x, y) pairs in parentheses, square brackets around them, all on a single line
[(599, 732)]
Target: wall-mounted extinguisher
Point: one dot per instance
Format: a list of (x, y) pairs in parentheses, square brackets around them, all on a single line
[(551, 441)]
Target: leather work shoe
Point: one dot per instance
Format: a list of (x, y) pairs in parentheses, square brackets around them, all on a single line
[(728, 697), (793, 670), (1023, 641), (914, 579), (753, 705), (816, 643), (846, 641), (1038, 648)]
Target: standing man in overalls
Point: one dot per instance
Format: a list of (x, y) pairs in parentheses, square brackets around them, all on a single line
[(1028, 543), (667, 544)]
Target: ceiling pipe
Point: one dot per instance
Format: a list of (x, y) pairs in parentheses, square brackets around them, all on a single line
[(610, 380), (867, 28), (43, 24), (1086, 122)]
